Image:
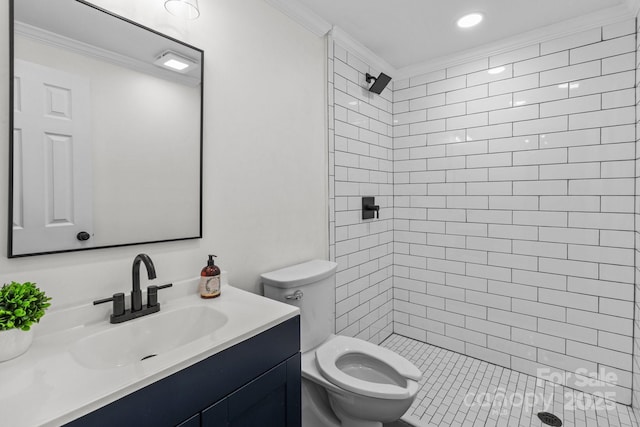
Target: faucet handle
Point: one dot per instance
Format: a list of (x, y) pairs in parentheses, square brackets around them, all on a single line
[(118, 303), (152, 294)]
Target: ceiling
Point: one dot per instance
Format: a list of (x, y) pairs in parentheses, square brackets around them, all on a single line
[(405, 33)]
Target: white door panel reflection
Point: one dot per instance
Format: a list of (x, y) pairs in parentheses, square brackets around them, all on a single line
[(52, 159)]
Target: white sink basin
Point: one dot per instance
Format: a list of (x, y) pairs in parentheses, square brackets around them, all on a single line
[(144, 338)]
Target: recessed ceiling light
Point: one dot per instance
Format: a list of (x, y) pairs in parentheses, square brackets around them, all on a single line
[(470, 20)]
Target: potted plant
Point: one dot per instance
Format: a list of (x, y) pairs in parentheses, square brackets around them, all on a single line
[(21, 305)]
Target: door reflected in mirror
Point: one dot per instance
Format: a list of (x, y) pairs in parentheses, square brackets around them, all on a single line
[(107, 136)]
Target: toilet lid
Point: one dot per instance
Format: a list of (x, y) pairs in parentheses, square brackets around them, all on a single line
[(329, 352)]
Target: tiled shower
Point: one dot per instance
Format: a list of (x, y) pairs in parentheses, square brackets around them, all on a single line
[(507, 190), (360, 163)]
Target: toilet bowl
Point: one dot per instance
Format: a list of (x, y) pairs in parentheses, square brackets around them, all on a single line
[(374, 385), (346, 381)]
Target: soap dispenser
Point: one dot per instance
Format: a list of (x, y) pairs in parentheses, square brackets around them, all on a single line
[(210, 280)]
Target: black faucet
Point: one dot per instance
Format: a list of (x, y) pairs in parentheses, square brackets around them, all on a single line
[(119, 314), (136, 293)]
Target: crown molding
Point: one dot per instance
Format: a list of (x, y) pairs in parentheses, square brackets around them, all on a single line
[(56, 40), (302, 15), (363, 53), (539, 35), (318, 26)]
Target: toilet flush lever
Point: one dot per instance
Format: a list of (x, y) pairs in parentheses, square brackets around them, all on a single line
[(297, 295)]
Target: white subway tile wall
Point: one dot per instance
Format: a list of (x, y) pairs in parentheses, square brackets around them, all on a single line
[(636, 327), (361, 164), (507, 189), (513, 201)]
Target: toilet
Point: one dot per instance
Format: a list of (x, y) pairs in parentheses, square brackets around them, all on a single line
[(346, 381)]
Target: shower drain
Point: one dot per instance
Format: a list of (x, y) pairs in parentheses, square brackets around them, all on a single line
[(549, 419), (148, 357)]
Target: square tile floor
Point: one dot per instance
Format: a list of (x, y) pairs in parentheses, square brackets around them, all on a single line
[(460, 391)]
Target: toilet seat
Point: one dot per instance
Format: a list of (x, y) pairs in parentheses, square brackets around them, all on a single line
[(333, 349)]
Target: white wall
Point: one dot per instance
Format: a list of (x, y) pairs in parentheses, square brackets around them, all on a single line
[(265, 156), (514, 201)]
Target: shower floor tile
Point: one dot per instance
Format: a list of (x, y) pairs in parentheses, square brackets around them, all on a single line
[(460, 391)]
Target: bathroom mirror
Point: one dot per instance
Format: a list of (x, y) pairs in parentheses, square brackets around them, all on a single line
[(106, 140)]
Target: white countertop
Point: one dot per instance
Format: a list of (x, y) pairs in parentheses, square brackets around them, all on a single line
[(47, 387)]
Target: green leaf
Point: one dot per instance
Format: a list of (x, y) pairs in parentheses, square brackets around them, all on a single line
[(21, 305)]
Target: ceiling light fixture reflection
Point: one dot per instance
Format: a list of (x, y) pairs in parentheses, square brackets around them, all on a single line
[(496, 70), (174, 62), (187, 9), (470, 20)]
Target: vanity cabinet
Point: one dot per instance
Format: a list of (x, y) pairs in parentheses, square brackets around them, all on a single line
[(254, 383)]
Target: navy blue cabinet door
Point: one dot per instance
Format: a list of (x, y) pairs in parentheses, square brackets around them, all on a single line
[(271, 400)]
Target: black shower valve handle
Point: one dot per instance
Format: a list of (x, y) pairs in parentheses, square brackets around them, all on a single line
[(375, 208), (369, 207)]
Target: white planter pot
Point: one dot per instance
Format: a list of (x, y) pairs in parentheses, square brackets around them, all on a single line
[(14, 342)]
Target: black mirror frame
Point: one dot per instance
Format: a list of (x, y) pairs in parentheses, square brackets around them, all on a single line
[(10, 253)]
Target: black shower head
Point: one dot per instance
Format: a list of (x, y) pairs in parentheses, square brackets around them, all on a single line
[(379, 84)]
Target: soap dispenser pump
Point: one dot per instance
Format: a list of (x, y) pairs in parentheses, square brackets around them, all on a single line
[(210, 280)]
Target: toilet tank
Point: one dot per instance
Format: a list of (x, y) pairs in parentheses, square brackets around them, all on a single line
[(311, 287)]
